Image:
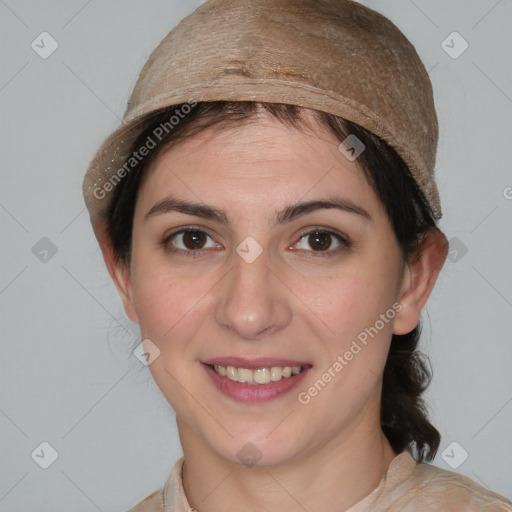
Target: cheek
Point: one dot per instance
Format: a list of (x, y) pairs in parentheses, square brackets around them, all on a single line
[(166, 302), (355, 298), (169, 308), (369, 307)]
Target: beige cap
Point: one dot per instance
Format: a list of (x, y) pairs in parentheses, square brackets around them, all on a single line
[(335, 56)]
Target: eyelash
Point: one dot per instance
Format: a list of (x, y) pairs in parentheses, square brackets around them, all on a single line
[(343, 240)]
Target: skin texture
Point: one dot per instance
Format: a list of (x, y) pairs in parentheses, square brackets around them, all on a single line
[(292, 301)]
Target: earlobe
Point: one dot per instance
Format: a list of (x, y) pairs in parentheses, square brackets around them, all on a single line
[(119, 272), (420, 276)]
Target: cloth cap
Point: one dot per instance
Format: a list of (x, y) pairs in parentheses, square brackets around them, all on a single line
[(336, 56)]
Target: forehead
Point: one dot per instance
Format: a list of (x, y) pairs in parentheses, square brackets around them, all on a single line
[(258, 162)]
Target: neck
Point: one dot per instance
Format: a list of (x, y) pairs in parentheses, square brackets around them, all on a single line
[(343, 471)]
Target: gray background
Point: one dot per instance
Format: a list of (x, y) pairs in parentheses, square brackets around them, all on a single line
[(67, 374)]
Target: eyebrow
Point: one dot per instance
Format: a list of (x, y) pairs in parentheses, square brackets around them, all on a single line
[(288, 214)]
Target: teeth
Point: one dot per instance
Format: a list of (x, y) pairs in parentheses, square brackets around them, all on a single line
[(220, 370), (231, 373), (259, 376), (244, 375), (276, 373)]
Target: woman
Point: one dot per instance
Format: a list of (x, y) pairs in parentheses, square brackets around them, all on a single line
[(268, 214)]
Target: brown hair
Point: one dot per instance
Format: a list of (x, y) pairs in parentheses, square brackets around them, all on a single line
[(407, 373)]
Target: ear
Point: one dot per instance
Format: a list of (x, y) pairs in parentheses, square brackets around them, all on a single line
[(119, 271), (419, 278)]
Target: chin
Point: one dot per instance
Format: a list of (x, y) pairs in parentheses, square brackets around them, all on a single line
[(258, 451)]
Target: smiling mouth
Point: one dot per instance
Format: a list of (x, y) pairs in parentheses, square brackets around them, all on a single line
[(259, 375)]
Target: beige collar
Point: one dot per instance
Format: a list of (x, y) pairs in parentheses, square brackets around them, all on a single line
[(401, 469)]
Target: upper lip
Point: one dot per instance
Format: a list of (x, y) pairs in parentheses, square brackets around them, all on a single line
[(253, 363)]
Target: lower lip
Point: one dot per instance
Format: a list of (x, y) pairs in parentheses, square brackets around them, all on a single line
[(252, 393)]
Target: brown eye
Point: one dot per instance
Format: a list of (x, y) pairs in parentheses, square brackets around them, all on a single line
[(194, 239), (188, 242), (322, 241)]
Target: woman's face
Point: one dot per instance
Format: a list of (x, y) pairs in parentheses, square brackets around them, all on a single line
[(251, 286)]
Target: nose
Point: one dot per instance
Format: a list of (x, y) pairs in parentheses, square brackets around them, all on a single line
[(253, 300)]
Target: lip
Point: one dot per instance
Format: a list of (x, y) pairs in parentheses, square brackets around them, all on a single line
[(255, 393), (254, 363)]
